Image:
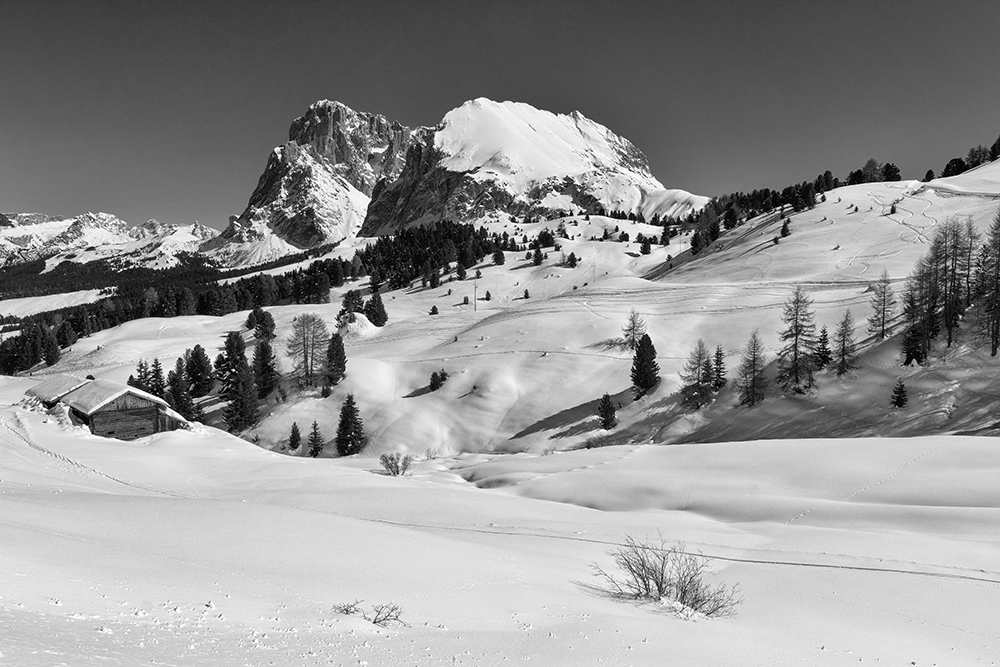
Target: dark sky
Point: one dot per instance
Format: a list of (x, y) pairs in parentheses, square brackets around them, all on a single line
[(169, 109)]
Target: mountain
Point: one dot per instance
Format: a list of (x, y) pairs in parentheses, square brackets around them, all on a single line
[(345, 172), (26, 237), (491, 158), (315, 188)]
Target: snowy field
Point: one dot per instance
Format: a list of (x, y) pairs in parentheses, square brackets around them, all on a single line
[(201, 549), (198, 548)]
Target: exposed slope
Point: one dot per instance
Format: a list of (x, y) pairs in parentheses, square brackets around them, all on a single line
[(315, 188), (487, 158)]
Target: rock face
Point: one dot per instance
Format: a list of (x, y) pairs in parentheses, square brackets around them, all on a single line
[(491, 158), (315, 188)]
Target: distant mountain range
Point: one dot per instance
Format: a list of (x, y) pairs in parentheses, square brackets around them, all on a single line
[(344, 173)]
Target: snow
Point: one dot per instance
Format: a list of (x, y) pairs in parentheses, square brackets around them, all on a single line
[(198, 548), (39, 304), (983, 180), (191, 548)]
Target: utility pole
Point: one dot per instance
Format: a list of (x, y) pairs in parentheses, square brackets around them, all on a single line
[(475, 294)]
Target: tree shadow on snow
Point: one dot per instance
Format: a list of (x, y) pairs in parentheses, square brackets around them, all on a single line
[(580, 418), (419, 391)]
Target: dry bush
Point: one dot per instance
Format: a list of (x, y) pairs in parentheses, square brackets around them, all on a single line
[(648, 571), (384, 614), (380, 614), (396, 464)]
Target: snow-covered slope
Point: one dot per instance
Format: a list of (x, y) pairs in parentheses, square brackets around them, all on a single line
[(97, 236), (201, 549), (488, 158)]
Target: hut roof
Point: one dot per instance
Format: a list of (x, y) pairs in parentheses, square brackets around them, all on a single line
[(97, 393), (56, 386)]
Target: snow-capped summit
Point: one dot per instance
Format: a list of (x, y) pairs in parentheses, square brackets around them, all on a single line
[(509, 157), (315, 188)]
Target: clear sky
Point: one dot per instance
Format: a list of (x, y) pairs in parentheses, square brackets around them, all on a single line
[(169, 109)]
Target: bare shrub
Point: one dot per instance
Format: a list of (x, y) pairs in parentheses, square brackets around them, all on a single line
[(431, 454), (380, 614), (649, 571), (384, 614), (596, 441), (396, 464), (348, 608)]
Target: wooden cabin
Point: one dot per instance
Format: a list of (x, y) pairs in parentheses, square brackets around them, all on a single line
[(116, 410)]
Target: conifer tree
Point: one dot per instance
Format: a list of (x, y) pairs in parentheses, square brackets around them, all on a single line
[(822, 355), (498, 257), (843, 340), (795, 363), (350, 429), (645, 370), (883, 306), (634, 329), (606, 412), (315, 441), (251, 322), (697, 376), (141, 378), (294, 438), (157, 383), (336, 360), (264, 327), (50, 348), (199, 372), (241, 413), (306, 345), (375, 310), (899, 394), (232, 356), (719, 369), (265, 368), (179, 391), (750, 381)]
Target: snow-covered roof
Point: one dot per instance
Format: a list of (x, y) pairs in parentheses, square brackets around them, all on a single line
[(97, 393), (56, 386)]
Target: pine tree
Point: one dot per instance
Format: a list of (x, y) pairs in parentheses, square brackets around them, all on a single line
[(141, 376), (241, 413), (157, 383), (697, 376), (350, 429), (645, 370), (634, 329), (264, 327), (883, 306), (199, 372), (913, 349), (843, 340), (375, 310), (315, 441), (294, 438), (795, 363), (251, 322), (50, 348), (719, 369), (336, 360), (606, 411), (498, 257), (536, 257), (179, 391), (265, 368), (232, 356), (822, 355), (750, 381), (899, 394)]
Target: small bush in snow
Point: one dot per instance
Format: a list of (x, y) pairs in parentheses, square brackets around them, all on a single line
[(381, 614), (650, 571), (431, 454), (396, 464)]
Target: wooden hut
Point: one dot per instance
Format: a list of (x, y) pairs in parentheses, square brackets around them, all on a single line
[(115, 410)]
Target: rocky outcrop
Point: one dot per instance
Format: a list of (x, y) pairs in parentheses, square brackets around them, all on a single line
[(315, 189)]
